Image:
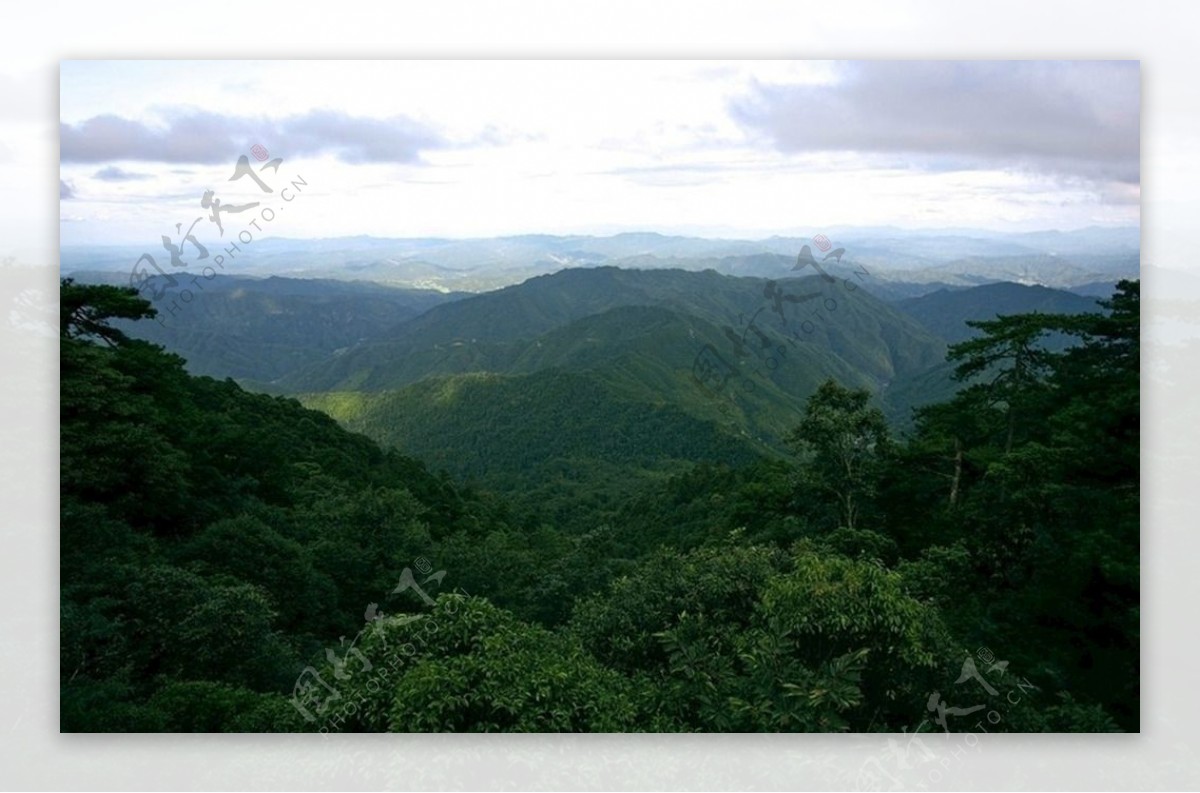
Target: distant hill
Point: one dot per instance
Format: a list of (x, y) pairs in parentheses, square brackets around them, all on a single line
[(258, 330), (892, 291), (1044, 269), (945, 312), (1097, 289)]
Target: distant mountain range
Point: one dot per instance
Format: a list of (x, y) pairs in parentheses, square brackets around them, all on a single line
[(952, 257)]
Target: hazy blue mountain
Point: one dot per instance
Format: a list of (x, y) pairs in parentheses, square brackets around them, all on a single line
[(1097, 289), (968, 256), (893, 291), (945, 312), (1036, 269), (1094, 239)]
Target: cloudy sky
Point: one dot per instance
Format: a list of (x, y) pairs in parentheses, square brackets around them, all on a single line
[(477, 148)]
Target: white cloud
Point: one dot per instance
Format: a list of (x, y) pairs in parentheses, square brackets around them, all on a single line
[(473, 148)]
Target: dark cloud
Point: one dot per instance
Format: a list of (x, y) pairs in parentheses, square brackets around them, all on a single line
[(209, 138), (114, 174), (65, 191), (1073, 118)]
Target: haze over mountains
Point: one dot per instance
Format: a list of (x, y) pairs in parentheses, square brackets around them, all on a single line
[(956, 257)]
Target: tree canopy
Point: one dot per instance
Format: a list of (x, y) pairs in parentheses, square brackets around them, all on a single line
[(234, 561)]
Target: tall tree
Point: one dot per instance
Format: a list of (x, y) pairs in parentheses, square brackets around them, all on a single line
[(1011, 361), (85, 309), (842, 439)]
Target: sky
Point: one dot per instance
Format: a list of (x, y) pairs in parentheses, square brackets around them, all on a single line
[(474, 148)]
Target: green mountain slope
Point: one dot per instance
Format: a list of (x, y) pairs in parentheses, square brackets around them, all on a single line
[(258, 330), (481, 425), (564, 444), (596, 380), (586, 413), (494, 332)]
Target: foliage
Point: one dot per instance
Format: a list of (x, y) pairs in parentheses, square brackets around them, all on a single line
[(217, 545), (842, 440)]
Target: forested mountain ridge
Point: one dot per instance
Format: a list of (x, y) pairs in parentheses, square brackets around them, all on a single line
[(494, 331), (258, 329), (284, 335), (216, 543), (639, 340)]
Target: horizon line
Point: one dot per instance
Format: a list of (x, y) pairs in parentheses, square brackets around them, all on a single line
[(943, 231)]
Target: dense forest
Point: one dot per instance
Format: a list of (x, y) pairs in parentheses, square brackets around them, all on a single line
[(235, 561)]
